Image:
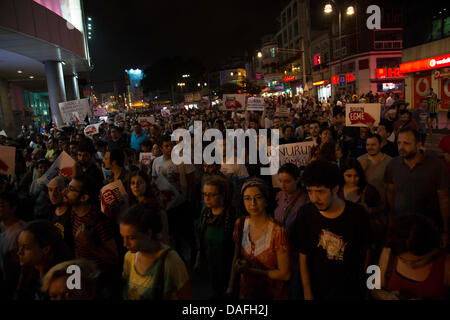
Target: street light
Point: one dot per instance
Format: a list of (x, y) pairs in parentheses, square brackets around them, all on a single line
[(260, 54), (231, 74), (350, 11)]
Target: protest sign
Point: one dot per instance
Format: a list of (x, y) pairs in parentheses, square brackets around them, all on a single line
[(92, 129), (63, 166), (75, 108), (282, 112), (119, 117), (296, 153), (255, 104), (114, 199), (146, 158), (146, 122), (233, 102), (362, 114), (100, 112), (165, 112), (7, 160)]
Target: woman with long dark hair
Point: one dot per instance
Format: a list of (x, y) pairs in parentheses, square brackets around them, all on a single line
[(40, 248)]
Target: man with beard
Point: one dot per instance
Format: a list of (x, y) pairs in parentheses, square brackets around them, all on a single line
[(417, 182), (61, 215), (85, 165), (333, 237), (93, 232)]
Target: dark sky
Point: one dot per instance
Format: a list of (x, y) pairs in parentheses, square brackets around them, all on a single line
[(132, 33)]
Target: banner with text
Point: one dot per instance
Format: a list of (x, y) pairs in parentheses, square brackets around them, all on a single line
[(255, 104), (362, 114), (75, 108), (296, 153)]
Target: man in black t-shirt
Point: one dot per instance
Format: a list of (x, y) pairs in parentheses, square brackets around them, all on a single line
[(61, 213), (333, 237)]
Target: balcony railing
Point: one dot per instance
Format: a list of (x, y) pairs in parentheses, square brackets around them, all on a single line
[(388, 45)]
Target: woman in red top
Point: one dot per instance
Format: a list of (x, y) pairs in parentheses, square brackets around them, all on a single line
[(412, 266), (261, 257)]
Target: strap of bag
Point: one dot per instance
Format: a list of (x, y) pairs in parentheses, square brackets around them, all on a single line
[(160, 277)]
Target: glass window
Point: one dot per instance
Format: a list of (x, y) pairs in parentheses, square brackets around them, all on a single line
[(272, 52), (446, 27), (436, 32)]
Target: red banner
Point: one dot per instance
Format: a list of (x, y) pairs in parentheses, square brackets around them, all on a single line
[(421, 89)]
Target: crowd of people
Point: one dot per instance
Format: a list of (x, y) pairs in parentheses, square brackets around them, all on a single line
[(367, 196)]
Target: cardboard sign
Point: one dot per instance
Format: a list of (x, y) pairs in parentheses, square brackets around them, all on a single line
[(63, 166), (233, 102), (100, 112), (362, 114), (283, 112), (165, 112), (75, 108), (7, 160), (114, 199), (92, 129), (119, 117), (255, 104), (296, 153), (146, 122), (146, 158)]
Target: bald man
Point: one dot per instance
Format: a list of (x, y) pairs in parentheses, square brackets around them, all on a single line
[(61, 217)]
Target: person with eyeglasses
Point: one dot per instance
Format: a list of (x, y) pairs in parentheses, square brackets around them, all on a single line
[(92, 230), (261, 258), (216, 245)]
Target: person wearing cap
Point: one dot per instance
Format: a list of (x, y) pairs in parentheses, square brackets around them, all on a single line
[(261, 257)]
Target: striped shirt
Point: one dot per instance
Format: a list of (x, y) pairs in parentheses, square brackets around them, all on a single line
[(102, 232)]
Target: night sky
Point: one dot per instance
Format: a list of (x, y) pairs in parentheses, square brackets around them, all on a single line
[(132, 33)]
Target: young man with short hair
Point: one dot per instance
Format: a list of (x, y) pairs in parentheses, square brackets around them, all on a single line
[(333, 238)]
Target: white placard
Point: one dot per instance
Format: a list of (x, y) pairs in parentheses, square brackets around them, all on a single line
[(70, 109), (92, 129), (146, 122), (146, 158), (233, 102), (255, 104), (63, 166), (361, 114), (296, 153), (114, 199)]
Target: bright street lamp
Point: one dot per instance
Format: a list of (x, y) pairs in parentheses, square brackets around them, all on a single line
[(350, 11), (259, 54), (231, 74), (328, 8)]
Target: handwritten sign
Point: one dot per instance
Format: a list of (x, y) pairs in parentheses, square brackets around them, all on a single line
[(296, 153), (74, 110)]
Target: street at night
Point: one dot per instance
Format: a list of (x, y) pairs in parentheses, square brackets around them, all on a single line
[(217, 152)]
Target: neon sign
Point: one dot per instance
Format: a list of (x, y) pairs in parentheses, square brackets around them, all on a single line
[(383, 73), (320, 83), (425, 64), (287, 78), (317, 59)]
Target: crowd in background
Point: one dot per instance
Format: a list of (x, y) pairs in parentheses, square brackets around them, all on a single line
[(367, 196)]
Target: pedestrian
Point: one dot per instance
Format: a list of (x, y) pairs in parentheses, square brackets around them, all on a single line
[(151, 270), (333, 238), (261, 258)]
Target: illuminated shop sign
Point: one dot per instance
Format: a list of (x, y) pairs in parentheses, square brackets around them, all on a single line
[(343, 79), (317, 59), (287, 78), (426, 64), (383, 73), (320, 83)]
